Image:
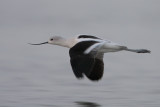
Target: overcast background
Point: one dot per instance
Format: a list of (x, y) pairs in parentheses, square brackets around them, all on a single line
[(37, 76)]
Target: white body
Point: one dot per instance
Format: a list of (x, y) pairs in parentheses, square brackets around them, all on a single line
[(103, 46)]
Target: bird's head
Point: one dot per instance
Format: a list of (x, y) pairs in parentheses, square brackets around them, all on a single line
[(55, 40)]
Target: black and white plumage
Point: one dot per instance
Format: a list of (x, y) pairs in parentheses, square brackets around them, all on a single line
[(86, 53)]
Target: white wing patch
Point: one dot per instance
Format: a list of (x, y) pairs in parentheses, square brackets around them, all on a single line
[(96, 47)]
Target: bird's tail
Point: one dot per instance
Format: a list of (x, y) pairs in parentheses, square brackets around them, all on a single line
[(138, 50)]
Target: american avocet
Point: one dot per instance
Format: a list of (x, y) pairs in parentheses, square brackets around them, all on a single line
[(86, 53)]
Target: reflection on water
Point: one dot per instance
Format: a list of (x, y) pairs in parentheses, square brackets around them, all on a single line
[(87, 104)]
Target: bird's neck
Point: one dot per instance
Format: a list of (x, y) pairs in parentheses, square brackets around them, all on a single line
[(66, 43)]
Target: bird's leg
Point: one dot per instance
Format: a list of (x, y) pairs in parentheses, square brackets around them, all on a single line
[(138, 50)]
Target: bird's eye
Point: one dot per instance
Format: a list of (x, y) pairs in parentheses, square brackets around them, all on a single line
[(51, 39)]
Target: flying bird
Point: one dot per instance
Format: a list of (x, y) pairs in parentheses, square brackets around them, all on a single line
[(86, 53)]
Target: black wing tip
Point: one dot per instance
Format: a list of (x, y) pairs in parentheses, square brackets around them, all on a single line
[(95, 80), (97, 71)]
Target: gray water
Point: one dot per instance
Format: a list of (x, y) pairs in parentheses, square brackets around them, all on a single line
[(41, 76)]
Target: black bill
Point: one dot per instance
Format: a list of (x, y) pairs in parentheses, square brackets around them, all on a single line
[(39, 43)]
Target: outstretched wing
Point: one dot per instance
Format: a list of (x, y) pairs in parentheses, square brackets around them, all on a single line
[(90, 64)]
